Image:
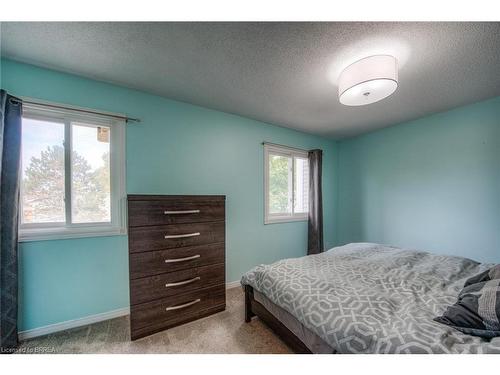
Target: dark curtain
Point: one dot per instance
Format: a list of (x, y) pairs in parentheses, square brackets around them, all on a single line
[(315, 224), (10, 155)]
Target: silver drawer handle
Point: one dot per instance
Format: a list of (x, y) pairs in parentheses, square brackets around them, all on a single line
[(182, 235), (183, 306), (168, 285), (181, 212), (182, 259)]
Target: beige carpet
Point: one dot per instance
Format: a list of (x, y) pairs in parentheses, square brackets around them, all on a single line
[(225, 332)]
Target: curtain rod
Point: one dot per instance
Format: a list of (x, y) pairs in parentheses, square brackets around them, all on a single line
[(277, 144), (127, 119)]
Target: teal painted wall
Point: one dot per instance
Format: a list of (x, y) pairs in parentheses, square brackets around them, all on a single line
[(177, 149), (430, 184)]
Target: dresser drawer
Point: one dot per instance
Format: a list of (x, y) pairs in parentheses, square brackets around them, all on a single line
[(143, 213), (155, 262), (176, 309), (175, 235), (168, 284)]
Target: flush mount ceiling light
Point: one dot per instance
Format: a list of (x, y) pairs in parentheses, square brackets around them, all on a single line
[(368, 80)]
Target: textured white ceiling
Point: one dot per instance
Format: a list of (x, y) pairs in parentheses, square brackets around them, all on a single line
[(282, 73)]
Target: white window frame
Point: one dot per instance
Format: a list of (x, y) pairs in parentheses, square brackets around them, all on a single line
[(270, 149), (117, 225)]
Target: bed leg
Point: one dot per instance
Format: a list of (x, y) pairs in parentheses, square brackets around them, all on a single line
[(248, 303)]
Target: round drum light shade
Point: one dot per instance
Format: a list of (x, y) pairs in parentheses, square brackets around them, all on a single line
[(368, 80)]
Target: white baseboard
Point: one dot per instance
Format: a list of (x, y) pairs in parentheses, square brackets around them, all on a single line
[(68, 324), (233, 284)]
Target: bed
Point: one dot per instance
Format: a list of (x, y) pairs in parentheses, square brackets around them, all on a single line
[(364, 298)]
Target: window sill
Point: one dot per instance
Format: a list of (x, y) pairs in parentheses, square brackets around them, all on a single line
[(288, 219), (43, 234)]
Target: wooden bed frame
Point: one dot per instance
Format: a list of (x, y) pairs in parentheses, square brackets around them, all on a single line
[(254, 308)]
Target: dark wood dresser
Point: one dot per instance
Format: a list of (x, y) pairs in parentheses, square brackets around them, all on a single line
[(176, 260)]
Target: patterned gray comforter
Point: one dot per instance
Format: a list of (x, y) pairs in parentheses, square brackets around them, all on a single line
[(369, 298)]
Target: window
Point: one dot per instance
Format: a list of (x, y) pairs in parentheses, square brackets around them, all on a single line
[(286, 184), (72, 174)]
